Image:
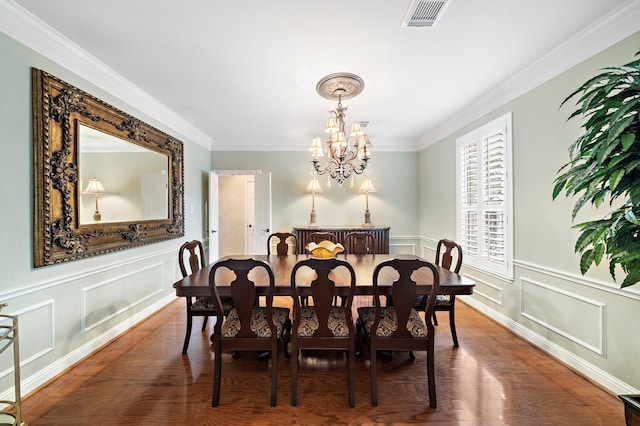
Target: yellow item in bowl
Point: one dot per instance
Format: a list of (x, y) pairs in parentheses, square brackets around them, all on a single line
[(324, 249)]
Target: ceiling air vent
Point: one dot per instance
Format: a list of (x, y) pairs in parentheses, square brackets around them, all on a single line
[(424, 13)]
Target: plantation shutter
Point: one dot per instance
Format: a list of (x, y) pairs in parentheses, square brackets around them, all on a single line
[(483, 190), (468, 238), (494, 176)]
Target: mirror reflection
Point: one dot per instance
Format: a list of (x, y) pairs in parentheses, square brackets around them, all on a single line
[(119, 180)]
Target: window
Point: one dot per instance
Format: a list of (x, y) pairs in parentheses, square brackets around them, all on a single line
[(484, 200)]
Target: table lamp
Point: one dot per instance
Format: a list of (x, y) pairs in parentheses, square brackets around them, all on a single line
[(367, 187), (313, 187), (95, 187)]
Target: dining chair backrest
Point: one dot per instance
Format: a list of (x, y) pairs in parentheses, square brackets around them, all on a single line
[(323, 289), (316, 237), (446, 251), (360, 243), (282, 244), (243, 289), (404, 291), (195, 261)]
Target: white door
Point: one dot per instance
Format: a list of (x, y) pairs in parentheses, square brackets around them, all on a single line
[(213, 217), (262, 226)]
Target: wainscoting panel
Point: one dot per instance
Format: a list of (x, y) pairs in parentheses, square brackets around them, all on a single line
[(36, 322), (487, 290), (568, 314), (132, 288), (399, 244)]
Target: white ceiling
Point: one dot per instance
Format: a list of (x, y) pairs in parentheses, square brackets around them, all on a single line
[(244, 72)]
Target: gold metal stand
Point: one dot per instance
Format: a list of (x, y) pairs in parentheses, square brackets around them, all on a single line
[(12, 415)]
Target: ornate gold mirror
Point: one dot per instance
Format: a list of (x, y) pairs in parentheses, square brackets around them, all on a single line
[(104, 180)]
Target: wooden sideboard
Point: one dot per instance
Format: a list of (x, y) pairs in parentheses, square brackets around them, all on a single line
[(381, 234)]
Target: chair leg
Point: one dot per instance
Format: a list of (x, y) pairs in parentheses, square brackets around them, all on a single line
[(452, 322), (431, 377), (286, 338), (435, 319), (351, 362), (274, 372), (373, 366), (189, 323), (294, 374), (216, 374), (204, 323)]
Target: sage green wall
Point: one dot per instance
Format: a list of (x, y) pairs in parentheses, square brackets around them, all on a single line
[(578, 319), (392, 173), (66, 311)]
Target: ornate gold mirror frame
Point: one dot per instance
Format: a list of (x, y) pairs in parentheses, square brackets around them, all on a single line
[(58, 111)]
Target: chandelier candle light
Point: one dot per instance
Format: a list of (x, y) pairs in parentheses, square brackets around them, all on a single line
[(313, 187), (367, 187), (95, 187), (344, 157)]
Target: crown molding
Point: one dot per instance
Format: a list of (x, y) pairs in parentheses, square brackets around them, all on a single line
[(609, 29), (24, 27)]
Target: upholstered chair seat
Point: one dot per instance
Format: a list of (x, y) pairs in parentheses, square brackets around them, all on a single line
[(259, 324), (205, 303), (389, 321), (309, 322)]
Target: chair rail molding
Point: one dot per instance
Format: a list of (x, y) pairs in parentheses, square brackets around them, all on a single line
[(117, 262), (632, 293)]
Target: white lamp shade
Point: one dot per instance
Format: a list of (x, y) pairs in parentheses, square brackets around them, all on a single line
[(356, 130), (316, 147), (314, 186), (94, 187), (367, 186), (331, 126), (339, 140)]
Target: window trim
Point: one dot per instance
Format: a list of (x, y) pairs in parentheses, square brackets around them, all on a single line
[(476, 136)]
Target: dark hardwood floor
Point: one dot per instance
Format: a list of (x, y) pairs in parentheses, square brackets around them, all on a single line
[(493, 378)]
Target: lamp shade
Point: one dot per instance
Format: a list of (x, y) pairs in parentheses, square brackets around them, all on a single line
[(332, 125), (316, 147), (314, 186), (94, 187), (367, 186), (356, 130)]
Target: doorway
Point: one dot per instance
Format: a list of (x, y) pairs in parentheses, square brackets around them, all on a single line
[(239, 212)]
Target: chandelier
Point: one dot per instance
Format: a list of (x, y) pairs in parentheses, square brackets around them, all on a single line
[(346, 155)]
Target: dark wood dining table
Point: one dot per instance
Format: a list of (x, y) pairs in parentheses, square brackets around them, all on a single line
[(197, 284)]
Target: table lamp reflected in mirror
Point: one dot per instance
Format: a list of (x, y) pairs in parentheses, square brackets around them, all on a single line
[(367, 187), (95, 187), (313, 187)]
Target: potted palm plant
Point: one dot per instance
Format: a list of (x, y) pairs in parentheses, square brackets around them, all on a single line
[(604, 167)]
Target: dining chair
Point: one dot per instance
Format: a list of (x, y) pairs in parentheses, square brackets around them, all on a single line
[(446, 251), (247, 327), (360, 243), (191, 259), (282, 243), (399, 327), (322, 326), (316, 237)]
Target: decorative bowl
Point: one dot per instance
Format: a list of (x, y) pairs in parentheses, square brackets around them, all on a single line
[(324, 249)]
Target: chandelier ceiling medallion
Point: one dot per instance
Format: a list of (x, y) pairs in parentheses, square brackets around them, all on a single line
[(346, 155)]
